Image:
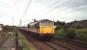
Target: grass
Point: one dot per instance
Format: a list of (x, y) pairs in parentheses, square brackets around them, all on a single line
[(25, 43)]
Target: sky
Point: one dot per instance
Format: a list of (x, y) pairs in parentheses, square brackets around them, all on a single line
[(12, 11)]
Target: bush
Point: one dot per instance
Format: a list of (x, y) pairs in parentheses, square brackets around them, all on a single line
[(70, 35), (60, 33), (81, 34)]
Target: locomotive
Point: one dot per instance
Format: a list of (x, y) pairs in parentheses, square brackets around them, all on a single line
[(43, 29)]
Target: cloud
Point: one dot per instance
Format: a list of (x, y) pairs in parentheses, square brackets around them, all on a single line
[(66, 10)]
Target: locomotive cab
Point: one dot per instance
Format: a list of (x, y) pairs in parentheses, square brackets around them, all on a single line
[(46, 28)]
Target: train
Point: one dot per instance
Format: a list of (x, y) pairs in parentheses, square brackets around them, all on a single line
[(43, 29)]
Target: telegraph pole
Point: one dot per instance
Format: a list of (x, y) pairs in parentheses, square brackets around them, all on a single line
[(20, 23), (13, 21)]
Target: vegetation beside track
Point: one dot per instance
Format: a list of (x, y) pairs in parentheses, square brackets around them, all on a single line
[(79, 34), (25, 43), (8, 28), (75, 30)]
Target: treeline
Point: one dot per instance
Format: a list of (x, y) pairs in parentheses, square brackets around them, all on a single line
[(8, 28), (72, 30)]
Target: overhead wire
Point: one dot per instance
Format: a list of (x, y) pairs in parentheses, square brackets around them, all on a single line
[(51, 10), (76, 9), (29, 2), (27, 7), (60, 6)]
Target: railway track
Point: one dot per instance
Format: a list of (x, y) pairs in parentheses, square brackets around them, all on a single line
[(78, 43), (52, 44), (71, 45), (57, 46), (72, 42)]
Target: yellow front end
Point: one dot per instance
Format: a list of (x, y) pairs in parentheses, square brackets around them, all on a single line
[(47, 30)]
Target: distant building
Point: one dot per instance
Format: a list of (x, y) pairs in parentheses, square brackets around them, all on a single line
[(1, 27)]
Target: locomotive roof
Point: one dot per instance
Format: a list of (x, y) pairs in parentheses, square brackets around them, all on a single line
[(45, 20)]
